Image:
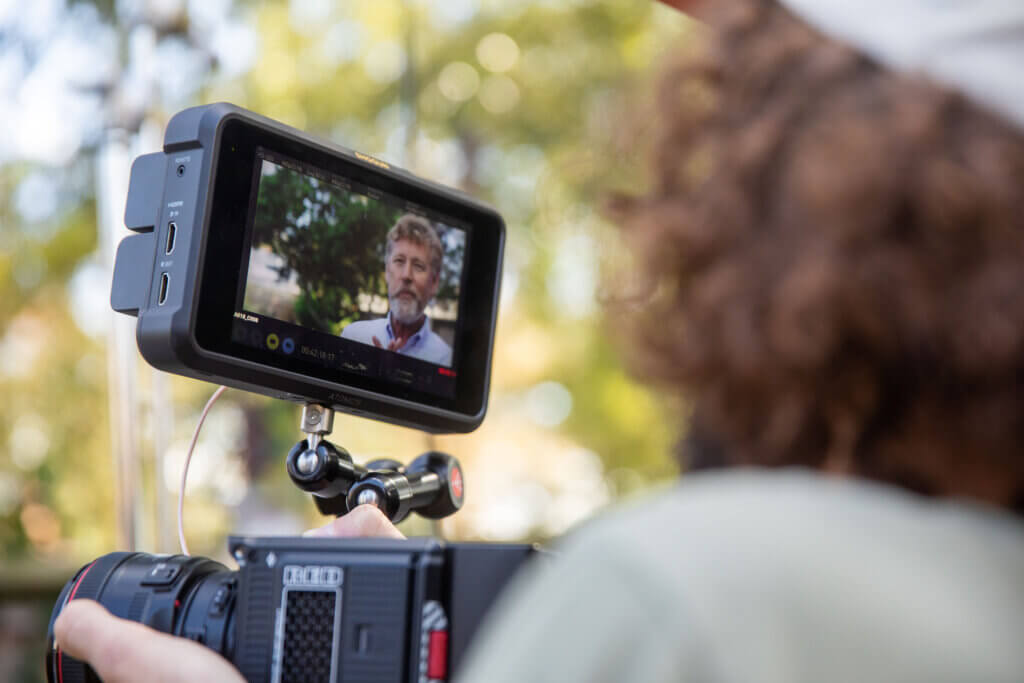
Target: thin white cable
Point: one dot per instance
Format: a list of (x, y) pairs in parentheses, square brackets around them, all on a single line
[(184, 473)]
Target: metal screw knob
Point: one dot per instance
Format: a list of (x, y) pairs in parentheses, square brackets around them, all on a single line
[(368, 497), (307, 462)]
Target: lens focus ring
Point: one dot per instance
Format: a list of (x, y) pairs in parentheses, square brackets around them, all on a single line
[(87, 584)]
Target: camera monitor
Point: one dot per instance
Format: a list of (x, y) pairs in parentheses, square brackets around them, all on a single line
[(274, 262)]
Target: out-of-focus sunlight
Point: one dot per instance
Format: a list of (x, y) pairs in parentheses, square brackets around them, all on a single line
[(497, 52), (458, 81), (499, 94)]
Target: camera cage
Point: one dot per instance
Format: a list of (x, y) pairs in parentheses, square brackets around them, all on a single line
[(442, 590)]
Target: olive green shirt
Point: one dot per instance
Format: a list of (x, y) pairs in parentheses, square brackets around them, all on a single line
[(751, 576)]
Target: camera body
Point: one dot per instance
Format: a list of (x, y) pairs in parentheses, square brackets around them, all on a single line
[(308, 609), (258, 249)]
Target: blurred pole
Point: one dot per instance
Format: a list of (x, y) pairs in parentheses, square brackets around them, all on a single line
[(150, 139), (140, 26), (163, 434), (113, 164), (408, 91)]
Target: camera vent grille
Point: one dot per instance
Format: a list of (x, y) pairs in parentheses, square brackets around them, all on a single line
[(308, 636)]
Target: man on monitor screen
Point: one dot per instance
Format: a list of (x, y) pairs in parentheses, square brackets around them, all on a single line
[(412, 270)]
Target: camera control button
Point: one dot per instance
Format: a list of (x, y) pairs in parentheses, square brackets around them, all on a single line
[(162, 574), (220, 599)]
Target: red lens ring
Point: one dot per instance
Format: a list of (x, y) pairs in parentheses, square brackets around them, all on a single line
[(71, 595)]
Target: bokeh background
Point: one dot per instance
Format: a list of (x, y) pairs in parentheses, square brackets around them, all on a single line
[(536, 106)]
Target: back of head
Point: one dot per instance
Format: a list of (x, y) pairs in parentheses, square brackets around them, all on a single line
[(837, 250)]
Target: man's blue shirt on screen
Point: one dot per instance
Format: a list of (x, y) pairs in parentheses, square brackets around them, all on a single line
[(425, 344)]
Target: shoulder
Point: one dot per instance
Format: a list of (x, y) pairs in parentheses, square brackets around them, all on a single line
[(729, 572), (435, 341), (794, 521), (436, 349)]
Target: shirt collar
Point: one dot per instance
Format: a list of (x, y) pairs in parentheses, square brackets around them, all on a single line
[(416, 338)]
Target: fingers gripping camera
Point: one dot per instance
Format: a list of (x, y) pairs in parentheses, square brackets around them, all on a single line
[(306, 609)]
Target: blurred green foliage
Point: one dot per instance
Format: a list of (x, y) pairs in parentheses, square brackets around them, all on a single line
[(537, 107)]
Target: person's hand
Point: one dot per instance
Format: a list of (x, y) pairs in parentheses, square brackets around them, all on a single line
[(393, 345), (366, 521), (121, 651)]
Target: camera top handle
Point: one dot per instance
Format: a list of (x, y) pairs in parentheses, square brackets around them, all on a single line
[(431, 485)]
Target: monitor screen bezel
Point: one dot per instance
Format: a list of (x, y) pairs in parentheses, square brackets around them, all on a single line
[(234, 180)]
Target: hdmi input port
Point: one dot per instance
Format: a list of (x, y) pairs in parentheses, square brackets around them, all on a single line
[(165, 281), (172, 230)]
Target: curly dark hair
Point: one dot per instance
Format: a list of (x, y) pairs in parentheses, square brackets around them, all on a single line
[(837, 252)]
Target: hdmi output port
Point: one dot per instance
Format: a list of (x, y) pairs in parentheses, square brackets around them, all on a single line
[(172, 229), (165, 281)]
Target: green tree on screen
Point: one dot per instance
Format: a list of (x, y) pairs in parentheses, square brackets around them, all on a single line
[(333, 241), (330, 239), (453, 245)]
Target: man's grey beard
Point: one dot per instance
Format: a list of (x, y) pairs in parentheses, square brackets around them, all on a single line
[(406, 311)]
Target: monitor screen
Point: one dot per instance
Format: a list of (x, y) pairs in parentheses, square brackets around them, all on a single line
[(350, 277)]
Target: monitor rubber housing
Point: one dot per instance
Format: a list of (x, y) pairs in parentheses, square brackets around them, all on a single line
[(191, 207)]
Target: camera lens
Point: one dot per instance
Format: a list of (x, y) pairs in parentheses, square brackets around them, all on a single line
[(191, 597)]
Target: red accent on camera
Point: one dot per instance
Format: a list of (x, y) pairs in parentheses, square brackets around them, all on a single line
[(455, 477), (60, 655), (437, 659)]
